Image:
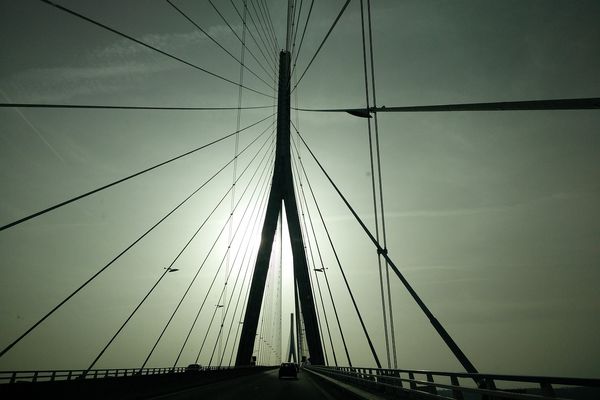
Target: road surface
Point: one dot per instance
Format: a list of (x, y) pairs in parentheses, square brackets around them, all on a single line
[(265, 385)]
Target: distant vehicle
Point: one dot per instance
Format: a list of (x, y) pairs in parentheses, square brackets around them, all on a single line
[(193, 368), (288, 370)]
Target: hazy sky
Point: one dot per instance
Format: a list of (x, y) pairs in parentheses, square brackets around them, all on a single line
[(492, 216)]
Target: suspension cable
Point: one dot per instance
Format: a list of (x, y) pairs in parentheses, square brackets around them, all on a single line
[(296, 26), (229, 302), (215, 311), (81, 196), (264, 27), (323, 268), (241, 62), (202, 265), (149, 46), (110, 107), (373, 352), (210, 251), (218, 269), (321, 258), (245, 297), (239, 115), (381, 202), (458, 353), (258, 344), (167, 270), (240, 40), (270, 21), (246, 270), (373, 189), (302, 37), (223, 292), (322, 43), (261, 35), (304, 206), (297, 21), (272, 64), (59, 305), (308, 251), (213, 281), (241, 321), (298, 176)]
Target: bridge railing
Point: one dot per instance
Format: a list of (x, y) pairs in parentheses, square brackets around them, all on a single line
[(463, 386), (67, 375)]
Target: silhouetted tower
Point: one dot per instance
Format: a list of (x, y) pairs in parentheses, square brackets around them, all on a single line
[(282, 192), (292, 347)]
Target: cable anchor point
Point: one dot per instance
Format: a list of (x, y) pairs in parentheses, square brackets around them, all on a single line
[(382, 252)]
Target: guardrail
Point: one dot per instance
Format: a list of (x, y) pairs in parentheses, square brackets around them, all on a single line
[(463, 386), (7, 377)]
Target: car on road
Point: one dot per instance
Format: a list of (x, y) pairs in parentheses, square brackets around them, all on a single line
[(288, 370), (193, 368)]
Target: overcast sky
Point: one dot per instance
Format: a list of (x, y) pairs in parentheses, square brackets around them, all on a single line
[(492, 216)]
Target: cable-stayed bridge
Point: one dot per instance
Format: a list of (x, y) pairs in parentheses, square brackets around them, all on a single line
[(200, 313)]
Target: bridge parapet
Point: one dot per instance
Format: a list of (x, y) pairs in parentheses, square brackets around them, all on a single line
[(422, 384), (122, 384), (67, 375)]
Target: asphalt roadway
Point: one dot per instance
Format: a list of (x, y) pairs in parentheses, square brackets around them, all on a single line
[(265, 385)]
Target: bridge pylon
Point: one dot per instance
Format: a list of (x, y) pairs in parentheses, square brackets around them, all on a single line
[(292, 346), (282, 192)]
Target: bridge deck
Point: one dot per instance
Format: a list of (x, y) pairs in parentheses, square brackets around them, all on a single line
[(250, 383), (265, 385)]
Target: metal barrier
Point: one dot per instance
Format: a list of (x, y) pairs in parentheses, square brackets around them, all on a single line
[(7, 377), (462, 386)]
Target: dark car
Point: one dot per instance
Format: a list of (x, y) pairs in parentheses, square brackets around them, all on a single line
[(288, 370), (193, 368)]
